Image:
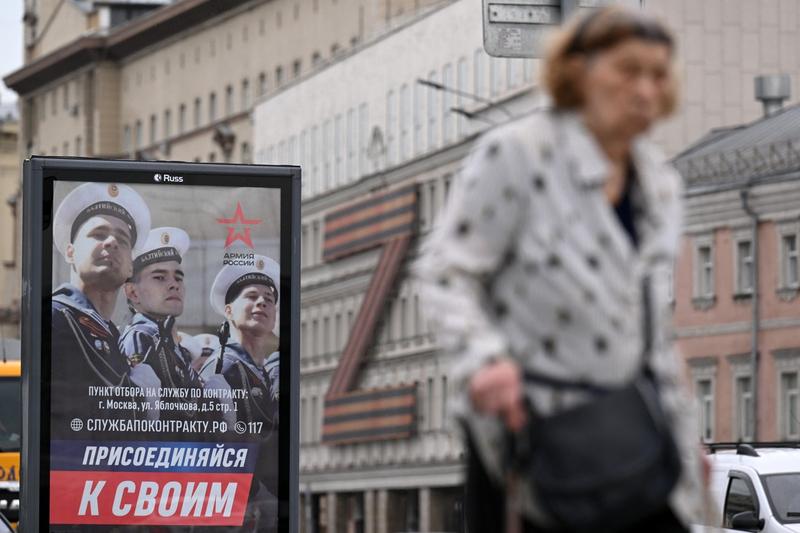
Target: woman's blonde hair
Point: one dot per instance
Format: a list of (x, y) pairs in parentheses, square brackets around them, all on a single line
[(600, 30)]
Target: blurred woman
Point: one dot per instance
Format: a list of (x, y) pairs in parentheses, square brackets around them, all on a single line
[(535, 266)]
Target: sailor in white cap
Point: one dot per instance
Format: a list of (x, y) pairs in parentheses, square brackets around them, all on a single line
[(156, 295), (97, 228), (247, 296)]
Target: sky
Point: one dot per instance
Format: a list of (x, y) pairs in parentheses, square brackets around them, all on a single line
[(10, 44)]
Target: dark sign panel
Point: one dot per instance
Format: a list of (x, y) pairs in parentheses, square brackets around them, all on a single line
[(160, 360)]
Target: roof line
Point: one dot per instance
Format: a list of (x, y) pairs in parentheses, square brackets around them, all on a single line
[(120, 42)]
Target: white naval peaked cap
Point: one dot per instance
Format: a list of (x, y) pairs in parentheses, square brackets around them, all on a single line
[(207, 340), (231, 279), (162, 244), (191, 344), (92, 199)]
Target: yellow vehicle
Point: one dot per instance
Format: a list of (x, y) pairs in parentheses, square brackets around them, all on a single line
[(10, 432)]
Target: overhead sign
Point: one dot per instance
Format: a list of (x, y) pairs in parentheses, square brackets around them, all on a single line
[(160, 346), (519, 28)]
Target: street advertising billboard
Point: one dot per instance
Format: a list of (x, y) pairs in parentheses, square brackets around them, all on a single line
[(160, 348)]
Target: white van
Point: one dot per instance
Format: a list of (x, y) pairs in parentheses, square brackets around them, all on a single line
[(756, 487)]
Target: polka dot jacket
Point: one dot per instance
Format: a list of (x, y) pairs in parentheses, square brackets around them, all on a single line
[(528, 260)]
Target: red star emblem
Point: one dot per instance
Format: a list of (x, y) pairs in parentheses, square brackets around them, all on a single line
[(239, 220)]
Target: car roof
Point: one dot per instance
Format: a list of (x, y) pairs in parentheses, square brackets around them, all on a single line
[(769, 460)]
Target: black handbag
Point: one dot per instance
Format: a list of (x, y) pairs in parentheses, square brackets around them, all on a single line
[(607, 464)]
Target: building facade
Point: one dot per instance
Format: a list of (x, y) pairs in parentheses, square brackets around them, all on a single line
[(736, 303), (361, 148), (378, 450), (10, 225), (174, 80)]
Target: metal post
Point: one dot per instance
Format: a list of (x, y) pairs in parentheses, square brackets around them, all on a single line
[(754, 355)]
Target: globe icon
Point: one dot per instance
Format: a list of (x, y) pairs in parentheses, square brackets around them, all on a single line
[(76, 424)]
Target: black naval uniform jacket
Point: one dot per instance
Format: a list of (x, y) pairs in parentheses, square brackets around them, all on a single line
[(139, 342), (241, 372), (143, 342), (85, 353), (260, 405)]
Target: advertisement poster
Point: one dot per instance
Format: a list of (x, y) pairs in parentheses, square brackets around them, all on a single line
[(165, 352)]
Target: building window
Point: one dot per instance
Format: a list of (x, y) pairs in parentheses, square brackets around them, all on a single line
[(432, 113), (198, 111), (326, 155), (167, 124), (314, 256), (126, 139), (391, 126), (278, 76), (363, 138), (246, 155), (338, 145), (706, 271), (78, 146), (744, 408), (351, 144), (153, 128), (138, 135), (66, 96), (228, 100), (789, 267), (297, 68), (703, 273), (790, 427), (313, 144), (477, 72), (511, 73), (744, 267), (316, 59), (212, 107), (527, 70), (494, 85), (262, 84), (182, 118), (704, 390), (417, 112), (405, 116), (445, 418), (245, 95), (447, 104), (302, 156), (461, 85), (291, 146)]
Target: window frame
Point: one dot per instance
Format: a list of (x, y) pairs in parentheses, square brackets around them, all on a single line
[(740, 238), (783, 419), (703, 297), (784, 230)]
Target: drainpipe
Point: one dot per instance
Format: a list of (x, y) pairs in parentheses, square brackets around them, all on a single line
[(744, 195)]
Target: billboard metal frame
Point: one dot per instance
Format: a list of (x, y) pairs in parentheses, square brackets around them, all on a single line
[(39, 174)]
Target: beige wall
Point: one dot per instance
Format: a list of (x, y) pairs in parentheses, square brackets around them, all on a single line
[(238, 47), (722, 46), (10, 266), (58, 22), (58, 121)]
